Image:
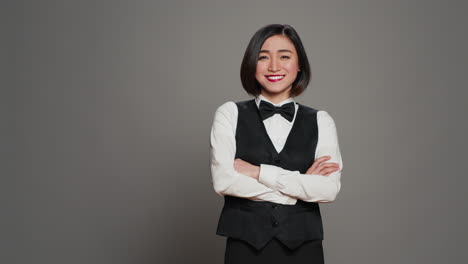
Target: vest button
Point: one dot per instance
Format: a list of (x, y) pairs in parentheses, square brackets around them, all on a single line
[(275, 223), (274, 206), (277, 160)]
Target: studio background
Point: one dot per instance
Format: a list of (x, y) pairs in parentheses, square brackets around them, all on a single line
[(108, 107)]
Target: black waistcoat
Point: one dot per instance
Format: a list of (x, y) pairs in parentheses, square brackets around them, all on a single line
[(257, 222)]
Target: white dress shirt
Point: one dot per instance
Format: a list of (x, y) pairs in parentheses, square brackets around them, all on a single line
[(275, 184)]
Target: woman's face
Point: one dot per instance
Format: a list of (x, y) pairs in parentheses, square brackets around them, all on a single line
[(277, 65)]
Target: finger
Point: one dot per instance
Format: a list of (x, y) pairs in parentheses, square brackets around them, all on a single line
[(331, 172), (326, 165), (322, 167), (318, 161), (328, 171), (329, 164)]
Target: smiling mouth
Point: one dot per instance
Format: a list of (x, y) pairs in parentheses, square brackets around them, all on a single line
[(274, 78)]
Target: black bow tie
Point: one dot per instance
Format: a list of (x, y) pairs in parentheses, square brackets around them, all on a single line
[(267, 109)]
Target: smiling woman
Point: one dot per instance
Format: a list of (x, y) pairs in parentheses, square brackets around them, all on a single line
[(275, 50), (277, 67), (268, 157)]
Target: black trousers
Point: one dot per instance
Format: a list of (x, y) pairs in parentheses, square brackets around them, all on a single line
[(240, 252)]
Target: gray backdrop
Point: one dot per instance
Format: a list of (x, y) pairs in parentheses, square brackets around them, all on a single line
[(108, 107)]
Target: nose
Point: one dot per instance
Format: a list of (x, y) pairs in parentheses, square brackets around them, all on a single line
[(274, 65)]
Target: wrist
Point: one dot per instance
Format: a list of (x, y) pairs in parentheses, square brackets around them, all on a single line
[(257, 172)]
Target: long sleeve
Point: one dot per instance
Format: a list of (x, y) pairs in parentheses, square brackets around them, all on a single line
[(310, 187), (226, 180)]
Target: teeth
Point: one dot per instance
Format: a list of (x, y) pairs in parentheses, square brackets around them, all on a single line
[(275, 77)]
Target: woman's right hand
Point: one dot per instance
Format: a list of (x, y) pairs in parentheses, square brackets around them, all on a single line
[(323, 168)]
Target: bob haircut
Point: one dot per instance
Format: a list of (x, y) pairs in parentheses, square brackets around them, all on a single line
[(249, 62)]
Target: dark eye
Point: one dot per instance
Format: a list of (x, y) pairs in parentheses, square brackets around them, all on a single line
[(262, 57), (285, 57)]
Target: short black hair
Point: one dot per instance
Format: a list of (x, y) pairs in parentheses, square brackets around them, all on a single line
[(249, 62)]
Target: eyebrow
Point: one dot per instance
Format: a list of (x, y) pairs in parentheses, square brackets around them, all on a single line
[(281, 50)]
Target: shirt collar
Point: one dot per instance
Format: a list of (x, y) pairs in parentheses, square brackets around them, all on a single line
[(261, 97)]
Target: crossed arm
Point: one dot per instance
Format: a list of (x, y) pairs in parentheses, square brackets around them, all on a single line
[(321, 183)]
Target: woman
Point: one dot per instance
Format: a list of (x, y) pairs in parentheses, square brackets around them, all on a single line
[(268, 157)]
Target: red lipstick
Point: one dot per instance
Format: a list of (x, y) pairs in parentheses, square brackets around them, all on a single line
[(274, 77)]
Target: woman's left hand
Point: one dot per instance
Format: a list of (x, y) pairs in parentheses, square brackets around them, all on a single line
[(246, 168)]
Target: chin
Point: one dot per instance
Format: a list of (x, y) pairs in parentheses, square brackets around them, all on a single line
[(272, 91), (275, 89)]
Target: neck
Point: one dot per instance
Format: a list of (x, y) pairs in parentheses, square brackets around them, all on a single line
[(276, 97)]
